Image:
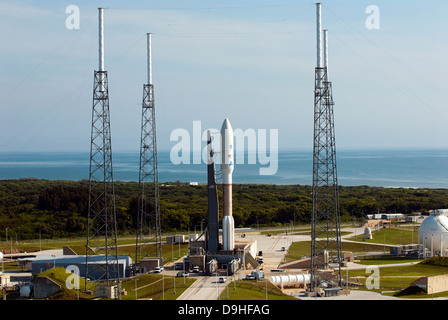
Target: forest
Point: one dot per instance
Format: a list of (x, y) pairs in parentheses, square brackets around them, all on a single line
[(58, 209)]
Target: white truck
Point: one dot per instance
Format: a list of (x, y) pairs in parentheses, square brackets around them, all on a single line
[(255, 275)]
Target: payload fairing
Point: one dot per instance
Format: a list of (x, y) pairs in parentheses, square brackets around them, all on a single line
[(227, 164)]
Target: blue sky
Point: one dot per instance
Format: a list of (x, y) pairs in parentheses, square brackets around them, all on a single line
[(250, 61)]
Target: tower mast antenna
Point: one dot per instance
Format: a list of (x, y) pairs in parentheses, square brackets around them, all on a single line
[(325, 226), (148, 216), (102, 223)]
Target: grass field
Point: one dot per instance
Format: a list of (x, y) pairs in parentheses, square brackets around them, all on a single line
[(390, 236), (398, 278), (253, 290), (60, 276), (386, 260), (155, 287), (303, 248)]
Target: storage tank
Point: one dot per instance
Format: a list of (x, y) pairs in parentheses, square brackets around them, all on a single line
[(367, 233), (433, 232), (291, 280)]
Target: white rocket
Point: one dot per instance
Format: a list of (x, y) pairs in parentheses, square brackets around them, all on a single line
[(227, 164)]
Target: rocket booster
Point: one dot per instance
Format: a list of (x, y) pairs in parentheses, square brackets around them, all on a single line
[(227, 164)]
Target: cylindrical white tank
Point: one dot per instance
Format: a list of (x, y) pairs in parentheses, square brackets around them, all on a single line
[(367, 233), (433, 232), (291, 280)]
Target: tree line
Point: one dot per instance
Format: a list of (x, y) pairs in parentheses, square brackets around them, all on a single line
[(56, 209)]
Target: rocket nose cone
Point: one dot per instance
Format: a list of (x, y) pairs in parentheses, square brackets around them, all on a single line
[(226, 125)]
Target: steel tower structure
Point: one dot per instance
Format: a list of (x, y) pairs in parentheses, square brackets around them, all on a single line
[(325, 225), (148, 235), (102, 226)]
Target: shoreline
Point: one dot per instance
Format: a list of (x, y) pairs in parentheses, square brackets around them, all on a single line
[(189, 183)]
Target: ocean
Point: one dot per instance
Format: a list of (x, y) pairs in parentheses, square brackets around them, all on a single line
[(409, 168)]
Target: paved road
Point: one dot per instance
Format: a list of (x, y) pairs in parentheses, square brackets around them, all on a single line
[(272, 248), (204, 288)]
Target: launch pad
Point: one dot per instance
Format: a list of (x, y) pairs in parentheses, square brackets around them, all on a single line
[(216, 248), (228, 261)]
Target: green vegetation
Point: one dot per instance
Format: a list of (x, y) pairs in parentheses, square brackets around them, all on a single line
[(390, 236), (416, 270), (59, 275), (253, 290), (30, 208), (372, 261), (437, 261), (303, 248), (169, 252), (297, 250), (126, 246), (156, 287), (397, 279)]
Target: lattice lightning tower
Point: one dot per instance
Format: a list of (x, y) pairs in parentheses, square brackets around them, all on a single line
[(325, 233), (102, 227), (148, 236)]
